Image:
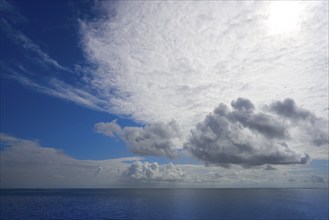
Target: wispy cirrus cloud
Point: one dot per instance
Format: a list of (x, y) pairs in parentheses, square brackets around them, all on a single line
[(7, 9), (61, 89), (36, 53)]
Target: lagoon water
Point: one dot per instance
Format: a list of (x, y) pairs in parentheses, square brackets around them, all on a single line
[(164, 204)]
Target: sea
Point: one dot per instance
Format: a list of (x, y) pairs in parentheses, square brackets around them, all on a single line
[(164, 204)]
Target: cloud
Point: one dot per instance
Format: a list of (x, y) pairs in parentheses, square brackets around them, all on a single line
[(288, 109), (239, 136), (155, 75), (243, 136), (317, 179), (144, 171), (9, 10), (25, 163), (108, 128), (62, 90), (25, 68), (159, 139), (269, 167), (259, 176), (163, 61), (177, 60), (25, 42), (262, 123), (316, 128)]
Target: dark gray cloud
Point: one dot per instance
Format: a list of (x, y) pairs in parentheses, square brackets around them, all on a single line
[(317, 131), (320, 138), (317, 179), (242, 136), (262, 123), (269, 167), (316, 128), (145, 171), (288, 109), (243, 104), (157, 139)]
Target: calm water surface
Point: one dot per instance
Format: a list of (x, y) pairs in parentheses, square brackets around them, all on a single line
[(164, 204)]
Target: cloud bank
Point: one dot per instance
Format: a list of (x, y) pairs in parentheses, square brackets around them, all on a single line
[(26, 164)]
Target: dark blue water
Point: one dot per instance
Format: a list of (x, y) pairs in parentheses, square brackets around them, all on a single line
[(164, 204)]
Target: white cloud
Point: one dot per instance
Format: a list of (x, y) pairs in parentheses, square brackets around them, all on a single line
[(178, 60), (159, 61), (146, 172), (108, 128), (163, 61)]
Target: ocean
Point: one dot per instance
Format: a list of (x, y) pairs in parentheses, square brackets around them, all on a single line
[(164, 204)]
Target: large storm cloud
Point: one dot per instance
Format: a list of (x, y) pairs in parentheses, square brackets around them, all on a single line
[(242, 135)]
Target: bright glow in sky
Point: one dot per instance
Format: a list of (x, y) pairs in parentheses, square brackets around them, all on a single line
[(285, 16), (152, 93)]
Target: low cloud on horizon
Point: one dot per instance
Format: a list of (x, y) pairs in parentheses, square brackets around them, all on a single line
[(27, 164)]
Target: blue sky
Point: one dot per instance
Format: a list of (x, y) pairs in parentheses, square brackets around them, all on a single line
[(27, 113), (154, 94)]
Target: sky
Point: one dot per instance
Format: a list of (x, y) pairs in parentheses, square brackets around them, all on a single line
[(115, 94)]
